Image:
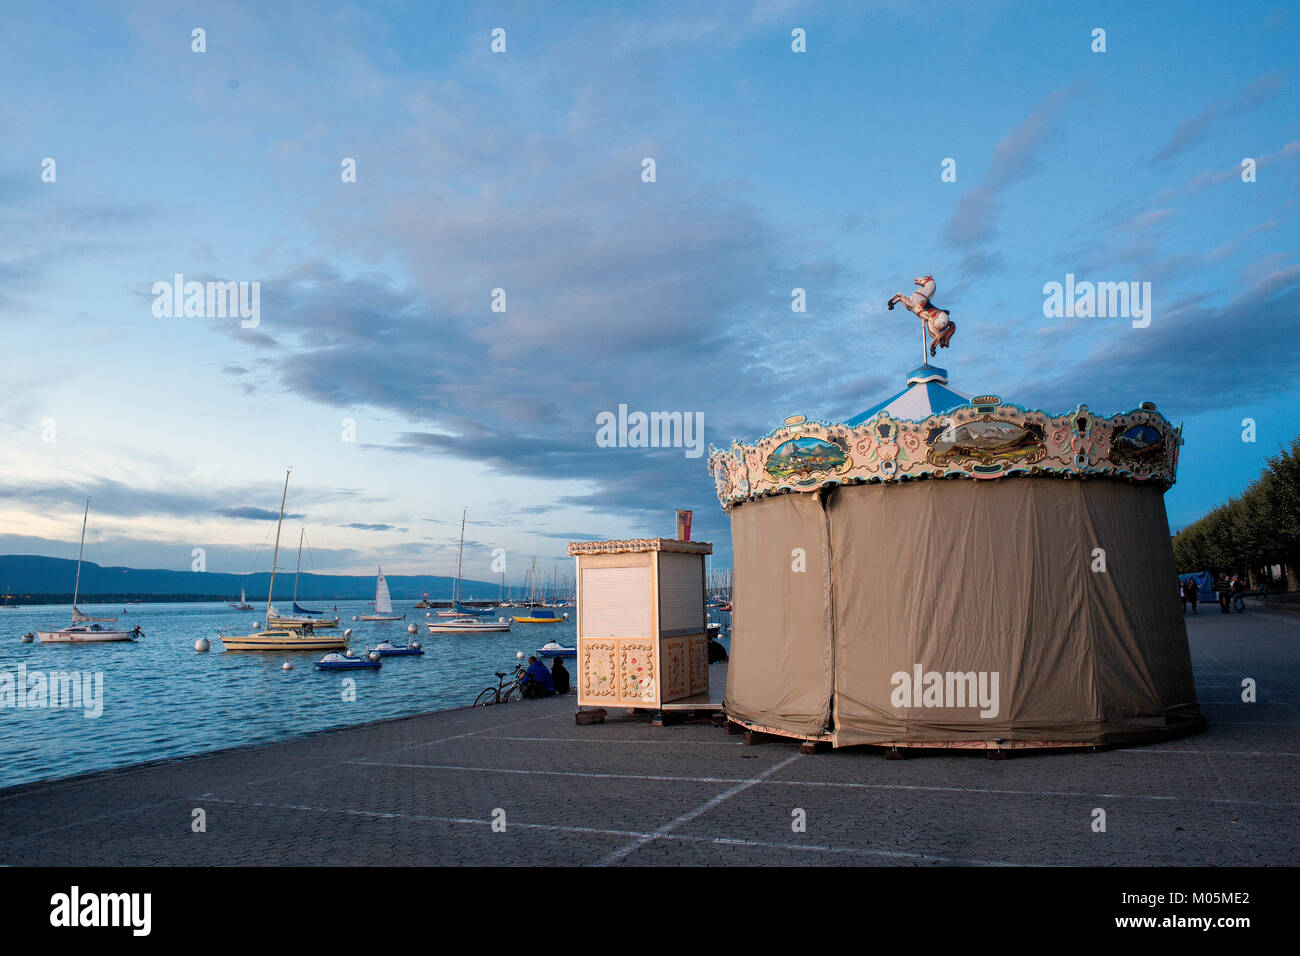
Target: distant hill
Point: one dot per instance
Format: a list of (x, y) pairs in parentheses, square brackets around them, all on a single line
[(24, 574)]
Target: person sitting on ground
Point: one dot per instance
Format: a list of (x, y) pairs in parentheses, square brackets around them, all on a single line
[(537, 680), (560, 676)]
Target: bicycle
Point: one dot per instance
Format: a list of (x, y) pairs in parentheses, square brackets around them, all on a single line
[(503, 693)]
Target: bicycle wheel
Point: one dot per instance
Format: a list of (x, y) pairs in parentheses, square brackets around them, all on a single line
[(511, 694), (487, 698)]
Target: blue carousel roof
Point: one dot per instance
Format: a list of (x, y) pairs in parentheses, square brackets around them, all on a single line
[(927, 394)]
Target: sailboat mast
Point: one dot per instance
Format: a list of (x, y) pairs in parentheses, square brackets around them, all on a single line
[(76, 588), (276, 556), (459, 557), (301, 532)]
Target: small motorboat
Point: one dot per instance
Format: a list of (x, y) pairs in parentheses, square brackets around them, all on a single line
[(389, 649), (340, 662), (554, 649)]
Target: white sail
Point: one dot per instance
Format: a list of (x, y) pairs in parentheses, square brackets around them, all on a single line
[(242, 599), (383, 603), (78, 617)]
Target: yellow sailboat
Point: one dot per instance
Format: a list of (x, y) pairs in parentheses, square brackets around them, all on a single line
[(302, 638)]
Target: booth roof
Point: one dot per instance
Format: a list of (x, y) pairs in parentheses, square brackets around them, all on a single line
[(927, 393)]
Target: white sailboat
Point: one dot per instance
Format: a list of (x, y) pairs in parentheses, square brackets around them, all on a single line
[(301, 638), (243, 604), (304, 619), (84, 628), (383, 602)]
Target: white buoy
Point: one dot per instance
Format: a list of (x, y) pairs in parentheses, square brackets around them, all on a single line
[(288, 666), (519, 655), (415, 644), (565, 615), (347, 632), (351, 653), (202, 645), (411, 629), (374, 655), (428, 614), (28, 637), (354, 617)]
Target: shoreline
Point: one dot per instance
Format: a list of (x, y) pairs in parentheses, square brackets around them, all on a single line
[(125, 769)]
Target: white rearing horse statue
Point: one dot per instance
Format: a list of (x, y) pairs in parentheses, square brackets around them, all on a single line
[(935, 319)]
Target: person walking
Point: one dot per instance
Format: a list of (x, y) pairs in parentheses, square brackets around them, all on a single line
[(1222, 589), (1182, 594), (1192, 593), (1238, 595)]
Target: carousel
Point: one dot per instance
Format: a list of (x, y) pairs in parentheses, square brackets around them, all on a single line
[(956, 570)]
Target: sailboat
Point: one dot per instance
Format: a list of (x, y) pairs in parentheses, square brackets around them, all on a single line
[(537, 613), (243, 604), (84, 628), (295, 623), (458, 609), (459, 625), (383, 602), (302, 638)]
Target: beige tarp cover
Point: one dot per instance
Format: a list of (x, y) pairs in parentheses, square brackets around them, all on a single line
[(971, 581)]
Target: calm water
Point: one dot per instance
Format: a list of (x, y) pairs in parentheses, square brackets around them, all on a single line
[(162, 699)]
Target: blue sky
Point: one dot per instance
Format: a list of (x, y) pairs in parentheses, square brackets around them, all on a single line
[(522, 171)]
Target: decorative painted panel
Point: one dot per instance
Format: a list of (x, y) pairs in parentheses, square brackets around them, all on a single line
[(675, 669), (598, 671), (699, 664), (978, 440), (637, 673)]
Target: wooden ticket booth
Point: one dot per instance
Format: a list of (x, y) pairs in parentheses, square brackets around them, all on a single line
[(642, 636)]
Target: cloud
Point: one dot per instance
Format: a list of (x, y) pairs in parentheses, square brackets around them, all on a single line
[(974, 220), (250, 513), (1233, 363), (1191, 132)]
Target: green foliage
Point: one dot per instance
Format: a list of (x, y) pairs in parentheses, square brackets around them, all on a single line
[(1260, 528)]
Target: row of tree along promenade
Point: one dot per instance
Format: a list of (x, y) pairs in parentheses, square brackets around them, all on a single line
[(1256, 535)]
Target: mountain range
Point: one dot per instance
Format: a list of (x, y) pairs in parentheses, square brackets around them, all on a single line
[(28, 574)]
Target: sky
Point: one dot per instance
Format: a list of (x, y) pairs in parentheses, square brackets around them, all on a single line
[(523, 171)]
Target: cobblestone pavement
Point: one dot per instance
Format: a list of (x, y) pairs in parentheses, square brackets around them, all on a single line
[(426, 790)]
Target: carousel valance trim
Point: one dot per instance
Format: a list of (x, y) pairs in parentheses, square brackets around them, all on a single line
[(984, 439)]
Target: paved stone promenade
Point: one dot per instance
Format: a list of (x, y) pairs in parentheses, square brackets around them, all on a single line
[(424, 791)]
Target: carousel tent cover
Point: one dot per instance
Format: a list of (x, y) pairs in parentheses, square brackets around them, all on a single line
[(1037, 609)]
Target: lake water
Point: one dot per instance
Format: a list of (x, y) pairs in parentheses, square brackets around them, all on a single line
[(163, 699)]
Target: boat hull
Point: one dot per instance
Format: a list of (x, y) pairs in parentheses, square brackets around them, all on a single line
[(83, 637), (283, 641), (380, 617), (539, 620), (476, 628), (347, 665)]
